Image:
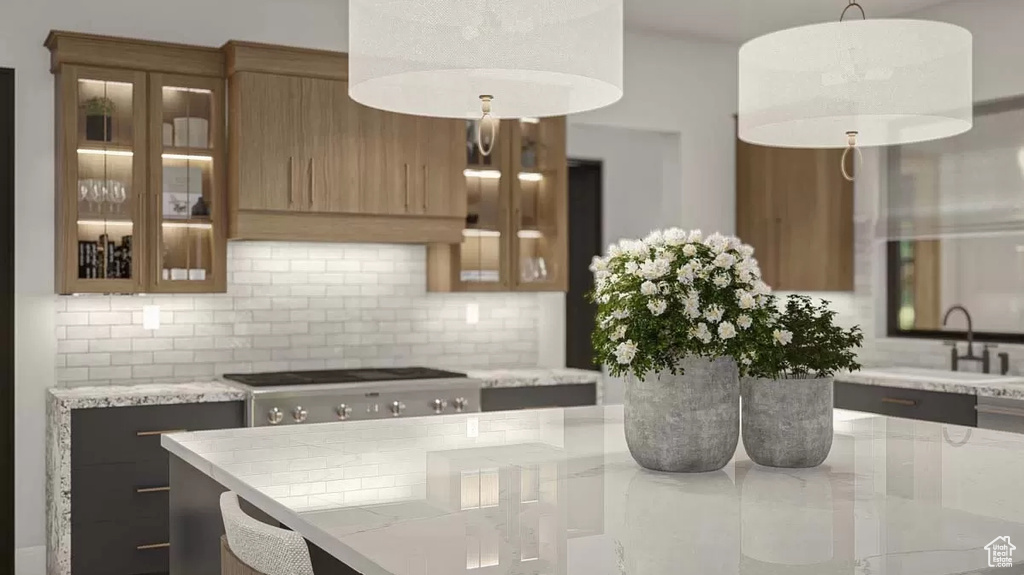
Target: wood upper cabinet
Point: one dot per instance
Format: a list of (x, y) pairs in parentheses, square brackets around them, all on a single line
[(309, 163), (796, 209), (139, 193)]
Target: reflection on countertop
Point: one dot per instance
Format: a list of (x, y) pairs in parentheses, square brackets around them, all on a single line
[(556, 492)]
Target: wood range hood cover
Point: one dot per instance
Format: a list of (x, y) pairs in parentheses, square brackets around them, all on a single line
[(307, 163)]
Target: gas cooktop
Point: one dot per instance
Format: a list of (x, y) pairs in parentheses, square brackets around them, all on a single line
[(335, 376)]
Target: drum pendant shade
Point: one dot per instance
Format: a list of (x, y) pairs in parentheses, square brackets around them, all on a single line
[(537, 58), (890, 81)]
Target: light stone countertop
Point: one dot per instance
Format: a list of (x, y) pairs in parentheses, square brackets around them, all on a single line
[(962, 382), (556, 491), (60, 402)]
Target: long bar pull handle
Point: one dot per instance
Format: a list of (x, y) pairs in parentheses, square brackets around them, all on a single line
[(291, 182), (407, 187), (1000, 410), (153, 546), (898, 401), (312, 181), (153, 489), (426, 188), (160, 432)]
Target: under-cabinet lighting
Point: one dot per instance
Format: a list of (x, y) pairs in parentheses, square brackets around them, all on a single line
[(530, 234), (192, 90), (530, 176), (483, 174), (104, 82), (104, 222), (193, 225), (530, 120), (186, 157), (475, 233), (95, 152)]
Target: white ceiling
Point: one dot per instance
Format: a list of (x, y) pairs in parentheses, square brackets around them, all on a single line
[(741, 20)]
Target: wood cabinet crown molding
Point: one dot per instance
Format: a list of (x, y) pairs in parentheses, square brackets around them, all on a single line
[(285, 60), (132, 54)]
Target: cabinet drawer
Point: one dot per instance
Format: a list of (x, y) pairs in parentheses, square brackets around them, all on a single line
[(120, 548), (512, 398), (131, 434), (120, 491), (1001, 414), (954, 408)]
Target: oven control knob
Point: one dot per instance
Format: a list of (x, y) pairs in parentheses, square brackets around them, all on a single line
[(275, 416), (343, 411), (460, 403), (438, 405), (396, 408), (299, 414)]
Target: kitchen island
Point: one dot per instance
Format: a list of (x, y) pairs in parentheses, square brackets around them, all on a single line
[(556, 492)]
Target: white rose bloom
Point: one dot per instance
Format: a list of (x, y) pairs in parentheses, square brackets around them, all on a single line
[(655, 238), (618, 333), (675, 237), (632, 268), (726, 330), (636, 248), (722, 280), (714, 314), (649, 288), (654, 269), (744, 321), (745, 250), (717, 242), (702, 332), (761, 288), (695, 236), (782, 336), (620, 313), (685, 274), (689, 250), (614, 251), (744, 277), (732, 243), (598, 264), (625, 352), (746, 300), (657, 306), (725, 260)]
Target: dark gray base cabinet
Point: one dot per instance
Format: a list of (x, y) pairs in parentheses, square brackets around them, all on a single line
[(120, 484), (953, 408), (513, 398)]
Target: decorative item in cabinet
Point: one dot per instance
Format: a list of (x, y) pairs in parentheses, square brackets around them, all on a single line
[(119, 104), (515, 236), (189, 185)]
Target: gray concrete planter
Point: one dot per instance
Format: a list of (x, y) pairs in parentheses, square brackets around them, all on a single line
[(684, 423), (787, 422)]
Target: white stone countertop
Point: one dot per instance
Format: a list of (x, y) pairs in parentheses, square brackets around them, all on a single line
[(530, 377), (146, 394), (963, 382), (556, 492)]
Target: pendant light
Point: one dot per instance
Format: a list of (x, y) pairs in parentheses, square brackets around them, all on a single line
[(486, 59), (856, 82)]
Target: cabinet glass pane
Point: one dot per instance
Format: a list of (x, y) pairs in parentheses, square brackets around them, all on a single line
[(480, 254), (187, 190), (106, 198), (536, 214)]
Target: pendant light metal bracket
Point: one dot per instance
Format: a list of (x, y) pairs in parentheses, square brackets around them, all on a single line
[(851, 144), (485, 105)]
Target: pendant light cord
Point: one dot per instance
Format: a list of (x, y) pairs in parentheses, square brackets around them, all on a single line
[(853, 4), (485, 104)]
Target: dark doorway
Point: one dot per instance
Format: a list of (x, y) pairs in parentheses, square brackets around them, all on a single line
[(585, 242), (7, 318)]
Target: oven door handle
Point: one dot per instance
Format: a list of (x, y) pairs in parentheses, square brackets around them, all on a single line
[(999, 410)]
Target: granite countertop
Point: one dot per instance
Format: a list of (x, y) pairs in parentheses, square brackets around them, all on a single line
[(531, 377), (146, 394), (556, 491), (962, 382)]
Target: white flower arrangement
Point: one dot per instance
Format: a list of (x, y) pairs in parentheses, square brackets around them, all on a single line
[(673, 294)]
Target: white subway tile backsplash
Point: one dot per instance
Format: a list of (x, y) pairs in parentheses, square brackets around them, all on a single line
[(295, 306)]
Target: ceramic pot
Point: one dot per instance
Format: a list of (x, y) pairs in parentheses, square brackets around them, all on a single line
[(787, 422), (687, 422)]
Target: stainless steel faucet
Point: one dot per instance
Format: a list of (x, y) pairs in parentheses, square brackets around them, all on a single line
[(986, 356)]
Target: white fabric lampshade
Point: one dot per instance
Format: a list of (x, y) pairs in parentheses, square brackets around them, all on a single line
[(892, 81), (537, 58)]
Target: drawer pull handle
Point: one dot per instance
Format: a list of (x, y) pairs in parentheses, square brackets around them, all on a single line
[(153, 489), (161, 432), (898, 401), (993, 410), (153, 546)]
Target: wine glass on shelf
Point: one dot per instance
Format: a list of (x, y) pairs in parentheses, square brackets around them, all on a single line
[(118, 194), (95, 195)]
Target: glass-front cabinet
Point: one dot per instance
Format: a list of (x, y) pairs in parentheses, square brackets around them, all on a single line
[(515, 237), (139, 181)]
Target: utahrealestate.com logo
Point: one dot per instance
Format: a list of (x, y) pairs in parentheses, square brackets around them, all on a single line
[(1000, 552)]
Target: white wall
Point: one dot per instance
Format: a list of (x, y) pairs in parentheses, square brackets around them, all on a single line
[(686, 87)]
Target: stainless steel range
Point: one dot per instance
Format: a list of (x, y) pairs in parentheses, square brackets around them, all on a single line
[(294, 397)]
